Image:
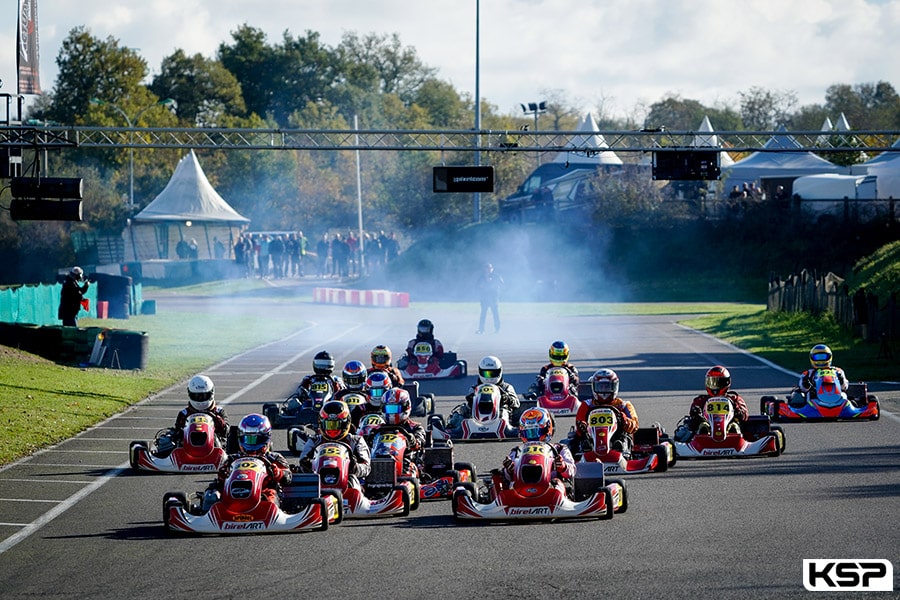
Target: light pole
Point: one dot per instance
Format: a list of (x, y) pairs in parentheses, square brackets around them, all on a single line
[(131, 122), (535, 108)]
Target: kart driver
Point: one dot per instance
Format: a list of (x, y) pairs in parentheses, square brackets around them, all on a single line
[(490, 370), (376, 387), (559, 357), (201, 399), (718, 384), (819, 358), (536, 425), (323, 370), (381, 361), (334, 426), (425, 333), (353, 376), (396, 409), (254, 439), (605, 392)]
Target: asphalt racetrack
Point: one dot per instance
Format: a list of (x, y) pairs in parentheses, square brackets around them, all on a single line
[(76, 522)]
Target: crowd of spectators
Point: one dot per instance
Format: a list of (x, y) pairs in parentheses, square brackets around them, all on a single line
[(333, 255)]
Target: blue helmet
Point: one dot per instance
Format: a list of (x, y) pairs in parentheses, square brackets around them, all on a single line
[(254, 434)]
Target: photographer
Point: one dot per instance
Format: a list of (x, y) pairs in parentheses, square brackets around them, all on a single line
[(70, 301)]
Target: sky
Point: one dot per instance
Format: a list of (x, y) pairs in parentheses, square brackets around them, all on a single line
[(607, 57)]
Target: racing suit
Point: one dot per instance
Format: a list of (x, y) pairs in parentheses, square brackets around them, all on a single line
[(392, 372), (696, 411), (628, 424), (437, 348), (563, 464), (279, 473), (306, 383), (509, 399), (539, 384), (218, 416), (808, 378), (360, 457)]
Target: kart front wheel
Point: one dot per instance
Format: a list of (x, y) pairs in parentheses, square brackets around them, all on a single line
[(176, 498), (780, 440), (662, 457)]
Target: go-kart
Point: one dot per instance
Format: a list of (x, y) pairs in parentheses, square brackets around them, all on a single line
[(243, 508), (720, 435), (427, 366), (482, 418), (557, 398), (199, 451), (302, 407), (534, 494), (439, 473), (824, 402), (332, 464), (392, 464), (652, 449)]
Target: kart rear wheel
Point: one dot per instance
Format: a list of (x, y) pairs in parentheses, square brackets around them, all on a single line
[(780, 440), (662, 455), (323, 512), (407, 503), (231, 444), (270, 411), (762, 403), (339, 498)]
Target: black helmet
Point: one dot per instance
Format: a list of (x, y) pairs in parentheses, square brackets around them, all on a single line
[(323, 364), (425, 327)]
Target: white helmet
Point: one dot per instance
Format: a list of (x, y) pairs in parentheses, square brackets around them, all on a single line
[(201, 394), (490, 370)]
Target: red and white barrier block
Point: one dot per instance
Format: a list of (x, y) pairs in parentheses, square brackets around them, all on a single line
[(376, 298)]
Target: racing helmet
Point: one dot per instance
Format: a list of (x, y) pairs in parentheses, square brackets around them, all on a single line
[(490, 370), (820, 356), (718, 380), (354, 375), (396, 407), (536, 425), (254, 434), (425, 328), (559, 353), (201, 393), (604, 386), (323, 363), (334, 420), (377, 385), (381, 356), (77, 273)]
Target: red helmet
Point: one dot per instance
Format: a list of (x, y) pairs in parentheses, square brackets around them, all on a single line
[(397, 406), (334, 420), (718, 380)]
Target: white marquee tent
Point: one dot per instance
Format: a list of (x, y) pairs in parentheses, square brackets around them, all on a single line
[(594, 139), (189, 208)]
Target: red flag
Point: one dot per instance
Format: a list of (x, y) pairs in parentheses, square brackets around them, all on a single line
[(27, 48)]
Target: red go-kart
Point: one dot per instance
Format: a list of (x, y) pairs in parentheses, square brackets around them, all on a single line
[(557, 398), (427, 366), (652, 449), (722, 437), (198, 452), (533, 494), (243, 508)]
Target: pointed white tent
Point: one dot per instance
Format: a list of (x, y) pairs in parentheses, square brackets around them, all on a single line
[(706, 138), (842, 124), (828, 127), (778, 158), (595, 140), (188, 208)]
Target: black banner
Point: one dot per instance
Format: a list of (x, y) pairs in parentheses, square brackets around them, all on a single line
[(463, 179), (27, 50)]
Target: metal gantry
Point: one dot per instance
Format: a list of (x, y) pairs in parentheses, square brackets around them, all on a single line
[(486, 140)]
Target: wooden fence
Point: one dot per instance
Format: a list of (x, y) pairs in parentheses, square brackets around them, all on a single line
[(863, 313)]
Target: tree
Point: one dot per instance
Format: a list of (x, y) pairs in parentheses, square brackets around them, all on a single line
[(765, 110), (93, 68), (675, 113), (866, 105), (251, 60), (204, 89), (397, 68)]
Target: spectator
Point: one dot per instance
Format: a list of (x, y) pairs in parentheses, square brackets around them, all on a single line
[(70, 299), (276, 251), (301, 247), (322, 248), (218, 248), (489, 285), (391, 248), (264, 242)]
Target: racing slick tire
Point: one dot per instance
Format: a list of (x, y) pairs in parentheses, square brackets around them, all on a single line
[(132, 454), (270, 411), (407, 503), (231, 443), (780, 440), (621, 483), (339, 498), (662, 455), (174, 497), (461, 490), (323, 511), (874, 398), (762, 403), (417, 490)]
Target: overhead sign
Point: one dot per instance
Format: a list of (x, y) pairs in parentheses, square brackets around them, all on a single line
[(463, 179), (686, 165)]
